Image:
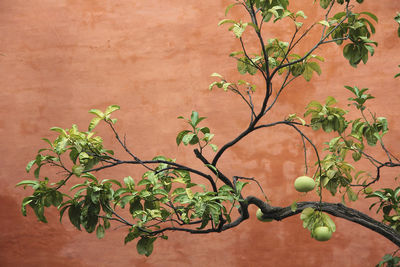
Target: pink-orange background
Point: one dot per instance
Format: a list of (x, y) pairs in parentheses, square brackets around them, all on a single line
[(153, 58)]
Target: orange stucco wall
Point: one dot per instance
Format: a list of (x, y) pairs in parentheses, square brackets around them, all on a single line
[(61, 58)]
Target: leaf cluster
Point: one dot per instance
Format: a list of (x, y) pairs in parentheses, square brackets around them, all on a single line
[(358, 28), (336, 172), (313, 218), (388, 200), (389, 260), (326, 116), (200, 136), (271, 8), (42, 197)]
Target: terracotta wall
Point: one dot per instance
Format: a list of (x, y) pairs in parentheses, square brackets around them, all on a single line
[(60, 58)]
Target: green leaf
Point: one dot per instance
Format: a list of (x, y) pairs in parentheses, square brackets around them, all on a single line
[(351, 195), (111, 109), (298, 24), (180, 136), (229, 8), (239, 186), (194, 118), (39, 212), (129, 182), (210, 87), (293, 207), (100, 231), (62, 210), (208, 137), (105, 181), (28, 182), (57, 198), (324, 3), (226, 21), (73, 155), (213, 168), (315, 104), (328, 222), (188, 138), (93, 123), (29, 165), (74, 214), (97, 112), (48, 141), (214, 147), (356, 156), (314, 66), (242, 66), (135, 206), (324, 22), (374, 17), (59, 130), (189, 193), (37, 171), (216, 75), (107, 223), (397, 19), (131, 236), (90, 177), (306, 213), (238, 29), (205, 219), (205, 130), (308, 72), (25, 202), (300, 13), (274, 12), (225, 85), (254, 26), (145, 245), (330, 100), (78, 169)]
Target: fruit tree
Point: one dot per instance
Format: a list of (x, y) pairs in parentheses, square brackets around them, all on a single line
[(172, 196)]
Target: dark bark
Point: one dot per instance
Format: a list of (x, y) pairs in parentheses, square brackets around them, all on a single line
[(335, 209)]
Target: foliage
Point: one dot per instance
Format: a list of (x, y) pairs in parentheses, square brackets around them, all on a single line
[(167, 197), (388, 200), (313, 219), (191, 137), (389, 260), (165, 193)]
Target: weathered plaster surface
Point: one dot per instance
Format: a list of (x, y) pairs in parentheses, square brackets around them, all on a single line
[(61, 58)]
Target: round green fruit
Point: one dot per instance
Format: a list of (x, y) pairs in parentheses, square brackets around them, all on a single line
[(304, 184), (322, 233), (259, 215)]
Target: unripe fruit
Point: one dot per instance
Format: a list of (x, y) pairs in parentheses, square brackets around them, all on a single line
[(259, 215), (322, 233), (304, 184)]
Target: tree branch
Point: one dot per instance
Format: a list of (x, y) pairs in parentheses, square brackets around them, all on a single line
[(335, 209)]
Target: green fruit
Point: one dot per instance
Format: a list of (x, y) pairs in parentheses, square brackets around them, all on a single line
[(259, 216), (322, 233), (304, 184)]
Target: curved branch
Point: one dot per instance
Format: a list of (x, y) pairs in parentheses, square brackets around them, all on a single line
[(335, 209), (216, 172), (281, 213)]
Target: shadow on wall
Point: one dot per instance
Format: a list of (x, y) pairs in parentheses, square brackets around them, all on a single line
[(18, 246)]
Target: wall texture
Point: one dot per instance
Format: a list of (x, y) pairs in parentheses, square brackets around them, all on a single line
[(61, 58)]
